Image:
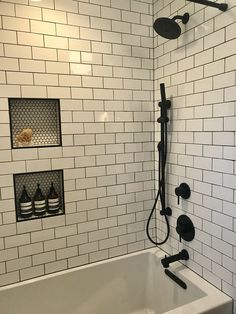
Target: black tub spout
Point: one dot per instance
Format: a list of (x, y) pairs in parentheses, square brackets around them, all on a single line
[(183, 255)]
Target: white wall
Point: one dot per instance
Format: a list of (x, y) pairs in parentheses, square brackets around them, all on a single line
[(97, 57), (199, 72)]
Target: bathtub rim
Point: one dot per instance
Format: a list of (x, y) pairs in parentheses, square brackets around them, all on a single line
[(214, 298)]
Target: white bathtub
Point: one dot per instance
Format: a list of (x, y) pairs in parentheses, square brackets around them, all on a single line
[(134, 284)]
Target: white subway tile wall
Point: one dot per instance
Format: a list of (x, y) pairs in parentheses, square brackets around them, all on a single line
[(97, 58), (199, 70)]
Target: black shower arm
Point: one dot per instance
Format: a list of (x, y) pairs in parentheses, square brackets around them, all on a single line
[(220, 6), (177, 17)]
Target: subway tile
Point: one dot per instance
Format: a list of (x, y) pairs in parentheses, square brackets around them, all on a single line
[(54, 16), (43, 258), (111, 13), (78, 20), (56, 42), (16, 24), (214, 39), (7, 9), (55, 266), (46, 79), (224, 110), (32, 65), (228, 18), (230, 93), (18, 78), (89, 9), (17, 240), (30, 39), (43, 3), (34, 91), (17, 51), (68, 6), (9, 278), (67, 31), (17, 264), (32, 272), (223, 138), (224, 50), (28, 12), (224, 80), (44, 54), (79, 44)]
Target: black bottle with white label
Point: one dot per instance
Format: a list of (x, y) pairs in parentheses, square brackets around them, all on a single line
[(40, 206), (26, 205), (53, 200)]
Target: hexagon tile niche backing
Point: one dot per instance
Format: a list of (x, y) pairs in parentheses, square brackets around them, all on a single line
[(40, 115)]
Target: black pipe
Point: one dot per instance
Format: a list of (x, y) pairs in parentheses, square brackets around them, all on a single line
[(220, 6)]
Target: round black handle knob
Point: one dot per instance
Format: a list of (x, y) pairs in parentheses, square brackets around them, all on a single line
[(181, 229), (185, 228), (183, 191)]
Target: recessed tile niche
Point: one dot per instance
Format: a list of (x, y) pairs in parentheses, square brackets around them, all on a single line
[(35, 122), (31, 182)]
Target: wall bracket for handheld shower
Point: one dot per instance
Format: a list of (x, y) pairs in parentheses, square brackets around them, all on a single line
[(221, 6)]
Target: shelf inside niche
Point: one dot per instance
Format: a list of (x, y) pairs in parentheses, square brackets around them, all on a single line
[(30, 181), (42, 116)]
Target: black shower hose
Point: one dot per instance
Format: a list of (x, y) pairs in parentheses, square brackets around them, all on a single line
[(160, 183)]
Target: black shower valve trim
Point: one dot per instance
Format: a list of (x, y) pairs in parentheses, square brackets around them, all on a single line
[(183, 191), (185, 228)]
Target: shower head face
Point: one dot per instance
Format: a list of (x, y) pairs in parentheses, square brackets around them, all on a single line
[(167, 28)]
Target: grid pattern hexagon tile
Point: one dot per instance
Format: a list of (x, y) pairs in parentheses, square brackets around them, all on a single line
[(40, 115)]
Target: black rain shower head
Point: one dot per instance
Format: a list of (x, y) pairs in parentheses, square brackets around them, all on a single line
[(221, 6), (169, 28)]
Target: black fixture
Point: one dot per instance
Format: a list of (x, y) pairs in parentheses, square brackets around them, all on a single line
[(176, 279), (183, 255), (221, 6), (183, 191), (169, 28), (162, 151), (185, 228)]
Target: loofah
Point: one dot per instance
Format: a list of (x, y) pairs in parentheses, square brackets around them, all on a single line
[(25, 136)]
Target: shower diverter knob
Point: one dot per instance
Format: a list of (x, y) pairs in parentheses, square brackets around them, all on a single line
[(185, 228), (183, 191)]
